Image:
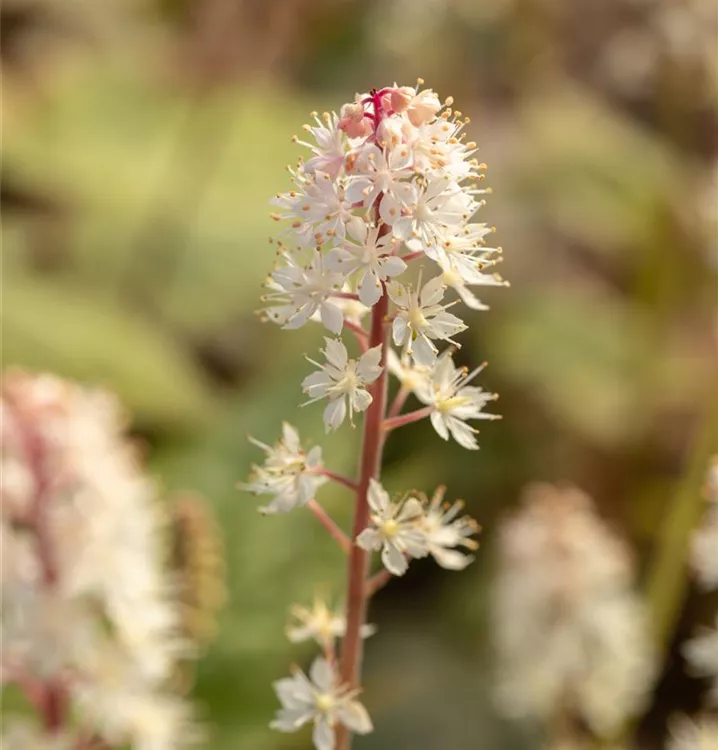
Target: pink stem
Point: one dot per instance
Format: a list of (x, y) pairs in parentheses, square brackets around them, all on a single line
[(412, 256), (399, 401), (53, 698), (339, 479), (325, 520), (361, 335), (377, 582), (344, 295), (404, 419)]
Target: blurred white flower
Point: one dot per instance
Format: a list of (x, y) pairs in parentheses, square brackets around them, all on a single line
[(689, 734), (571, 634), (83, 560), (319, 699), (454, 401), (394, 529), (319, 623), (288, 473), (328, 152), (701, 652), (421, 318), (444, 531), (412, 377), (342, 380)]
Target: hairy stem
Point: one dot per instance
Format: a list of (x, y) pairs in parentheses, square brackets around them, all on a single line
[(359, 558)]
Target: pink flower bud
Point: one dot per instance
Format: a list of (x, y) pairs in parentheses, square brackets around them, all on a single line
[(402, 97), (390, 131), (423, 107), (353, 122)]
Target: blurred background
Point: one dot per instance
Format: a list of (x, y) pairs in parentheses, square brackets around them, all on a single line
[(142, 142)]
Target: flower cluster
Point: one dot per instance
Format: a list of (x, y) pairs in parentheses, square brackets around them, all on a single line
[(89, 618), (701, 651), (381, 224), (571, 633), (391, 180)]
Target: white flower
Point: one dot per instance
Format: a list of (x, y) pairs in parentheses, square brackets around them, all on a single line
[(83, 573), (288, 473), (318, 210), (320, 623), (375, 172), (393, 529), (412, 377), (320, 699), (342, 380), (455, 401), (370, 258), (687, 734), (420, 319), (569, 627), (701, 652), (328, 153), (430, 210), (444, 531), (299, 292)]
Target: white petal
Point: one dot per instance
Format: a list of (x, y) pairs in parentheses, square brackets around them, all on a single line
[(356, 226), (370, 289), (369, 539), (399, 331), (398, 293), (322, 674), (389, 209), (393, 266), (323, 736), (355, 717), (378, 497), (290, 437), (445, 324), (332, 317), (432, 292), (394, 560), (368, 366), (335, 413), (336, 353), (360, 399), (316, 384), (463, 434), (438, 423), (424, 351), (450, 559)]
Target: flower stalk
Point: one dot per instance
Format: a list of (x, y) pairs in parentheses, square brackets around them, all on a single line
[(390, 180)]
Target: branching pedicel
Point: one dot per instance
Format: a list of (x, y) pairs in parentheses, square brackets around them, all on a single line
[(390, 182)]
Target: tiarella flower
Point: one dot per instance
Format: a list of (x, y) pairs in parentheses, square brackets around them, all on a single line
[(428, 211), (319, 699), (299, 292), (687, 734), (454, 401), (328, 153), (393, 529), (288, 473), (375, 173), (701, 652), (84, 583), (412, 377), (342, 380), (369, 256), (569, 626), (319, 210), (320, 623), (421, 318), (443, 531)]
